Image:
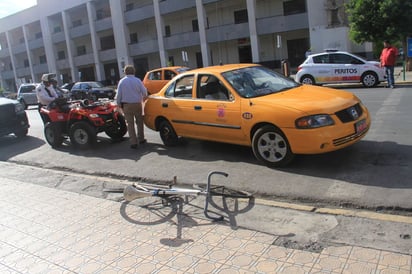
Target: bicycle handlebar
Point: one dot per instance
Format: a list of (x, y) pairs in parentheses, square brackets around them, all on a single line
[(205, 211)]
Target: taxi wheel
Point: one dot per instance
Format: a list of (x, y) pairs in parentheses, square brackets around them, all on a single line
[(168, 134), (271, 146), (370, 79), (307, 79)]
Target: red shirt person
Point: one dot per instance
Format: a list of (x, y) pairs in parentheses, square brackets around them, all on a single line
[(388, 60)]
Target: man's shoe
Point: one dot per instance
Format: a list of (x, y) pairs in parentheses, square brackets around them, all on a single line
[(144, 141), (134, 146), (392, 86)]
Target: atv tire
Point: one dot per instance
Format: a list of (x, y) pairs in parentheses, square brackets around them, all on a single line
[(53, 135), (82, 135), (119, 128)]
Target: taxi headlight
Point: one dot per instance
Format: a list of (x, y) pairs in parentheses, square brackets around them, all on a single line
[(314, 121), (18, 107)]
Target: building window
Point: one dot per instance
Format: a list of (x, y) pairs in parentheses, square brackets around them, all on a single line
[(195, 25), (241, 16), (57, 29), (26, 63), (102, 13), (38, 35), (61, 55), (133, 38), (21, 40), (107, 42), (294, 7), (167, 31), (81, 50), (77, 23), (42, 59), (129, 6)]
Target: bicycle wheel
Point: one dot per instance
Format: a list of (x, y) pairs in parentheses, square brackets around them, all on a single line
[(228, 192)]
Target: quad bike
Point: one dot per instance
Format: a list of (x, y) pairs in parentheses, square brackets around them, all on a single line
[(81, 121)]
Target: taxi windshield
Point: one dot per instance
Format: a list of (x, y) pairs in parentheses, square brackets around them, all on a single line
[(257, 81)]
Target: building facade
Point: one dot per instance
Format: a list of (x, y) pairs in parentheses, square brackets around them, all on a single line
[(95, 39)]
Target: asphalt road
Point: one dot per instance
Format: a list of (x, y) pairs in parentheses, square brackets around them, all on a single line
[(374, 173)]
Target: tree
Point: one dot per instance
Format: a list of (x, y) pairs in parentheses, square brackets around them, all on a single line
[(378, 20)]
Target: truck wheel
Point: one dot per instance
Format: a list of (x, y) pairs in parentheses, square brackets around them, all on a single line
[(82, 134), (21, 133)]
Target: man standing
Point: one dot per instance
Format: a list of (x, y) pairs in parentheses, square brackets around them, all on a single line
[(388, 60), (131, 94)]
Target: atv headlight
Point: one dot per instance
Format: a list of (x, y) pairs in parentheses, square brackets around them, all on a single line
[(93, 115), (18, 108), (314, 121)]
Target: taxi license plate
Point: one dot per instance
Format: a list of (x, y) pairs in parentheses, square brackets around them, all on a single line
[(361, 126)]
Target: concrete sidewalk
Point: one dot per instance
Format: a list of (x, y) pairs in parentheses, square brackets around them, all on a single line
[(47, 230)]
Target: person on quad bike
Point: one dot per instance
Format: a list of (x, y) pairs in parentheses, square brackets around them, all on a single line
[(45, 91)]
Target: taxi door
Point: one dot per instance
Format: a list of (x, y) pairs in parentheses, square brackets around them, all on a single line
[(216, 113), (177, 105)]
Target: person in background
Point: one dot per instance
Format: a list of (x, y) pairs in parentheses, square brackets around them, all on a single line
[(388, 61), (131, 93), (45, 92)]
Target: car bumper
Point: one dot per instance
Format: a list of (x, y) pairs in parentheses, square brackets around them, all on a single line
[(327, 139)]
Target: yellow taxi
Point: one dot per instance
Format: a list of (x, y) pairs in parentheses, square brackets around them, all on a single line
[(155, 79), (250, 105)]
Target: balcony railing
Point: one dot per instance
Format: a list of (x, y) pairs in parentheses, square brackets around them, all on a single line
[(139, 14)]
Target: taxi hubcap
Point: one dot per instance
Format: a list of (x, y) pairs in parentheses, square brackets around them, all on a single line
[(272, 147)]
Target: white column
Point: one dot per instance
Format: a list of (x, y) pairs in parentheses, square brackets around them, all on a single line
[(29, 55), (13, 62), (93, 35), (159, 30), (48, 45), (254, 42), (120, 34), (204, 46), (69, 45)]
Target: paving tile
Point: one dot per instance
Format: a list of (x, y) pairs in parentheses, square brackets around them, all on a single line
[(356, 266), (396, 260), (302, 258), (365, 254)]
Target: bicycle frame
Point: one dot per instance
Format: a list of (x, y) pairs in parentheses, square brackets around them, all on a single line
[(133, 192)]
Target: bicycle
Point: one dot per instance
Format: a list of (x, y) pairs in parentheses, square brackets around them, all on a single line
[(167, 192)]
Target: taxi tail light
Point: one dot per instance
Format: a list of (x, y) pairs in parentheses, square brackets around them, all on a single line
[(299, 68)]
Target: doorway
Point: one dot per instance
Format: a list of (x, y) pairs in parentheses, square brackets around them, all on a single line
[(245, 54), (296, 51)]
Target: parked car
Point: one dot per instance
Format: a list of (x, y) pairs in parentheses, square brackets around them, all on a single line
[(13, 118), (91, 90), (339, 67), (26, 95), (155, 79), (250, 105), (65, 90), (67, 86)]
